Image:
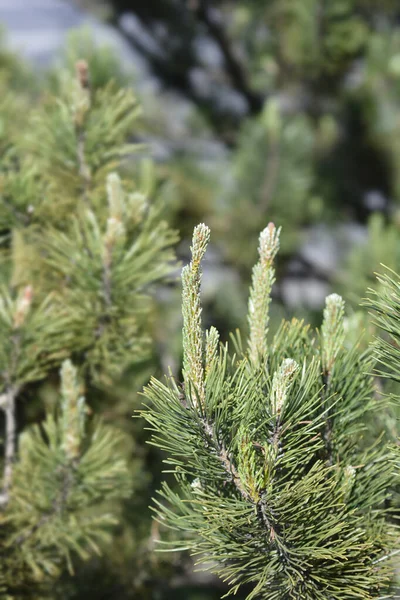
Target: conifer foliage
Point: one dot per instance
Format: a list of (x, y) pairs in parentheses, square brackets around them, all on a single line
[(63, 471), (81, 244), (282, 488)]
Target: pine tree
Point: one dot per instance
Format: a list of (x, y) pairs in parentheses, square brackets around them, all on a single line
[(82, 245), (281, 487)]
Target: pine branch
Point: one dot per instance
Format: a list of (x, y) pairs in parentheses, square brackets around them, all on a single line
[(291, 524), (226, 460), (61, 473), (193, 343), (7, 404), (58, 505), (92, 268), (82, 106), (73, 412)]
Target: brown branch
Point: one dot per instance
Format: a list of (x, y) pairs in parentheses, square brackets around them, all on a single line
[(226, 461), (271, 525)]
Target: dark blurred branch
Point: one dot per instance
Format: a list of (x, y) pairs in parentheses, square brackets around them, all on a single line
[(309, 270), (235, 69), (174, 77), (177, 58)]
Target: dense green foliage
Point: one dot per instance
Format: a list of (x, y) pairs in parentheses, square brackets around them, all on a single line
[(257, 111), (282, 486), (80, 247)]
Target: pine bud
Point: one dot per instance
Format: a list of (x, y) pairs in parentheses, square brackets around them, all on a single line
[(201, 238), (23, 306), (82, 73), (281, 384), (212, 341), (115, 230), (137, 206), (196, 485), (268, 244), (349, 475), (115, 196), (193, 347), (116, 205), (263, 279), (73, 411), (332, 331), (81, 93)]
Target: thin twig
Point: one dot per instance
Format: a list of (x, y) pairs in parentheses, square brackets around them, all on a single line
[(82, 72), (84, 171), (107, 277), (261, 505), (226, 461), (7, 404), (328, 430), (106, 284), (386, 557)]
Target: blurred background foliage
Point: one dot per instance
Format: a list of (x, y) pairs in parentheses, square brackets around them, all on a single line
[(253, 111)]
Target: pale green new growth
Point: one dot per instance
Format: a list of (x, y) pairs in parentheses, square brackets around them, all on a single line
[(349, 476), (137, 203), (332, 331), (114, 231), (260, 293), (73, 411), (23, 306), (116, 204), (115, 196), (193, 343), (281, 383), (212, 341)]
